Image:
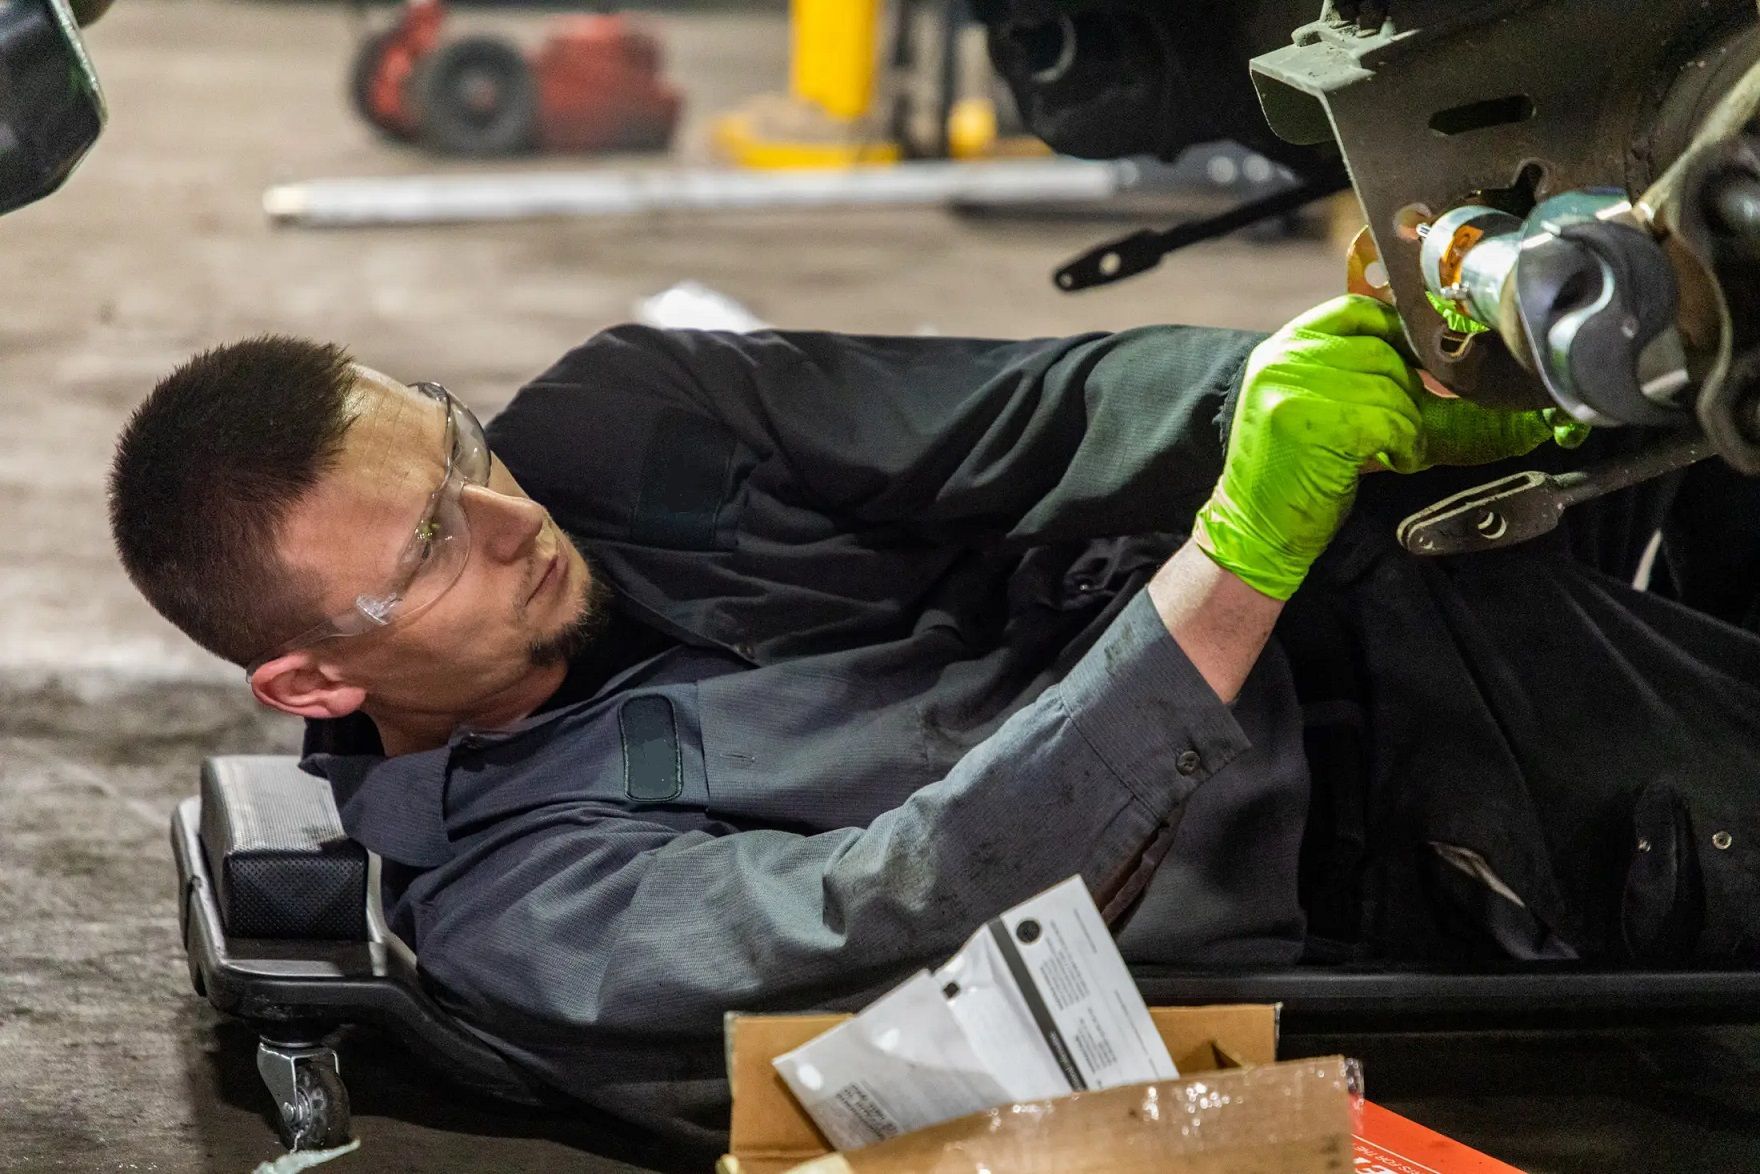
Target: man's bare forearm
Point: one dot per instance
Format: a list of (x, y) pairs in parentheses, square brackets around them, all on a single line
[(1219, 622)]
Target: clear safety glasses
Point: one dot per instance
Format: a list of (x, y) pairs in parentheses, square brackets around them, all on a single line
[(438, 547)]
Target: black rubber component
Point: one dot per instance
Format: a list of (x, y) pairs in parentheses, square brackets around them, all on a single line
[(1566, 275), (1733, 208), (319, 1118), (361, 72), (50, 108), (87, 11), (476, 96), (1108, 78), (282, 865)]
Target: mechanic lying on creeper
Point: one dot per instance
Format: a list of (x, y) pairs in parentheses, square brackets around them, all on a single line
[(753, 671)]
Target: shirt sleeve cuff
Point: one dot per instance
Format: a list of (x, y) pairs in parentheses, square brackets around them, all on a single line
[(1147, 711)]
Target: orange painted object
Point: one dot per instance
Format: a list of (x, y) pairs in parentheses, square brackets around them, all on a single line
[(1386, 1143), (414, 36), (600, 89), (597, 79)]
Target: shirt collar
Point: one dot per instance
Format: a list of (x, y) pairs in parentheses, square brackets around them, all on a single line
[(394, 806), (397, 806)]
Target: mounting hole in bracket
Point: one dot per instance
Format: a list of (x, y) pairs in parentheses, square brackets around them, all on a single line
[(1409, 219), (1491, 525), (1454, 345), (1472, 116)]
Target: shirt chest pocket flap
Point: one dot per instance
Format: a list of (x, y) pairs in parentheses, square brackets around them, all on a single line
[(640, 752)]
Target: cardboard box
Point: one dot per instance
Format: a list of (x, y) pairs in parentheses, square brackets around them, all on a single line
[(1235, 1111)]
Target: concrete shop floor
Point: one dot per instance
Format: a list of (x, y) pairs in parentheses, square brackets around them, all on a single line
[(158, 247)]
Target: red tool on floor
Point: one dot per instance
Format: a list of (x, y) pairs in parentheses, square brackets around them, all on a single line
[(593, 85)]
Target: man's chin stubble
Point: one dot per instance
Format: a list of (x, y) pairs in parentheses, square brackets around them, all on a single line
[(574, 637)]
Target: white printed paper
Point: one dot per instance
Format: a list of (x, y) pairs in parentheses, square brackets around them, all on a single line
[(1037, 1004), (1072, 1019), (862, 1081)]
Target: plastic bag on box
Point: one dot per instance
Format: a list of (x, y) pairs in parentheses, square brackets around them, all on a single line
[(1291, 1118)]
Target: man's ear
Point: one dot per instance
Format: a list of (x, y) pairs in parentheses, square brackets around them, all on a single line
[(298, 684)]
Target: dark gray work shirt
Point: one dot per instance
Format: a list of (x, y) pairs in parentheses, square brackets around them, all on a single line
[(917, 681)]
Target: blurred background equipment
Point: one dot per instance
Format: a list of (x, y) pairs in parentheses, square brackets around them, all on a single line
[(455, 199), (827, 117), (594, 84), (1101, 79), (872, 85), (852, 99), (51, 106)]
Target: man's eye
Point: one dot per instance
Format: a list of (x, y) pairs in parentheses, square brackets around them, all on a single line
[(427, 540)]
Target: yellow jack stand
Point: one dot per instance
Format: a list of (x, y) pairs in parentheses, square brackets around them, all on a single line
[(826, 118)]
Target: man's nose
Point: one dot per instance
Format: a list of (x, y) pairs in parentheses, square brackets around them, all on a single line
[(509, 525)]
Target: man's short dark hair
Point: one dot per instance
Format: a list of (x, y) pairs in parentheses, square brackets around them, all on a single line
[(205, 473)]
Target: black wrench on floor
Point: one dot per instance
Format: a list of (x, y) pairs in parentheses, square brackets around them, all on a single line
[(1526, 505)]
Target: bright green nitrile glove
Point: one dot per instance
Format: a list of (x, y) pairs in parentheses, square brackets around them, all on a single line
[(1459, 432), (1566, 432), (1325, 396), (1319, 399)]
